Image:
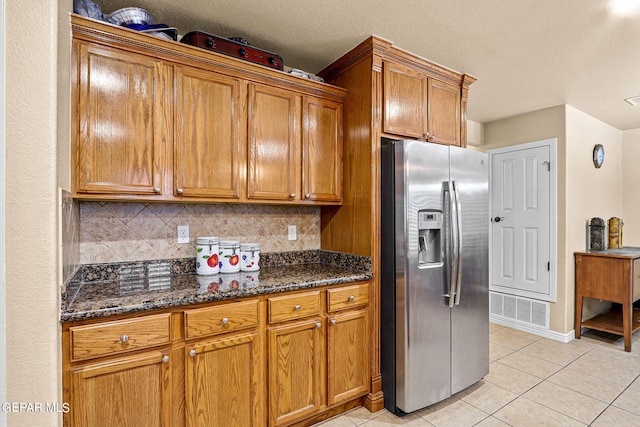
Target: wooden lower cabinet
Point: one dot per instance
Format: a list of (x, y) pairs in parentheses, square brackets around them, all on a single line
[(224, 382), (347, 356), (292, 358), (128, 391), (296, 356)]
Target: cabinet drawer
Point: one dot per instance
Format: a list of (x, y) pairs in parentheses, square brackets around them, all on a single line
[(347, 297), (119, 336), (294, 306), (201, 322)]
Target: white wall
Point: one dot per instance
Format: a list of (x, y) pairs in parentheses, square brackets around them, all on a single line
[(631, 187), (590, 192), (535, 126), (32, 255), (3, 354), (583, 191)]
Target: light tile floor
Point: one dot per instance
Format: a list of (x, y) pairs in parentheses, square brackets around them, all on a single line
[(535, 381)]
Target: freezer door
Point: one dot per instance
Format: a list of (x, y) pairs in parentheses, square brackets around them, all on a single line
[(422, 310), (470, 313)]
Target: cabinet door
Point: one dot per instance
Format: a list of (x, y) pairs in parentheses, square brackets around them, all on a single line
[(444, 112), (321, 150), (273, 140), (347, 356), (131, 391), (296, 358), (122, 121), (404, 101), (224, 382), (208, 138)]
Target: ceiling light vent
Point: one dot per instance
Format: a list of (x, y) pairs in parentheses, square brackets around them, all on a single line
[(634, 100)]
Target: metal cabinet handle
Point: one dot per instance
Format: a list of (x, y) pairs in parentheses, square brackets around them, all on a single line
[(165, 359), (156, 190), (225, 320), (334, 321), (297, 307), (124, 338), (179, 190), (318, 325), (351, 298), (307, 195), (292, 195), (192, 353)]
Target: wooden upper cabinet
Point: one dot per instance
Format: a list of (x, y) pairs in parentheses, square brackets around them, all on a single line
[(321, 150), (444, 112), (163, 121), (122, 121), (273, 155), (208, 137), (404, 100), (418, 106)]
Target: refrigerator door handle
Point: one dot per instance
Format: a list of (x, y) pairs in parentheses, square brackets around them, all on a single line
[(454, 244), (458, 229)]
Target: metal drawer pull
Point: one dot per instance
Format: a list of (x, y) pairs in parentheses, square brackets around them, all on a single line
[(165, 359), (225, 320), (297, 307), (318, 325), (334, 321), (156, 189), (124, 338), (192, 353), (351, 298)]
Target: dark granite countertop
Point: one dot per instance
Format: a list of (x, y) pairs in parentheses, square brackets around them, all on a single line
[(100, 291)]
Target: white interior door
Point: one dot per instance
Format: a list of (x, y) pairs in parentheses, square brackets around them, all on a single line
[(521, 221)]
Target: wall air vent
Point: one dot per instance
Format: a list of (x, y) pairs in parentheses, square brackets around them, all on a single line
[(634, 100), (520, 310)]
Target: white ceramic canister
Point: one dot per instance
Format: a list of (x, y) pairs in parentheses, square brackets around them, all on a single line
[(249, 256), (209, 283), (249, 279), (229, 256), (207, 252), (229, 281)]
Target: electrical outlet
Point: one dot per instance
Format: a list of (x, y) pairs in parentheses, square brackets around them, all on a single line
[(292, 232), (183, 234)]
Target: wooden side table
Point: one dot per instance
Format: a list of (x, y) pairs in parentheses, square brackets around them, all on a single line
[(611, 275)]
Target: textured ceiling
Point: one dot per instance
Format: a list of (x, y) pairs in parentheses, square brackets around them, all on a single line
[(527, 55)]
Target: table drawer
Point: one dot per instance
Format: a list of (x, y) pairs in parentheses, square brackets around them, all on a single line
[(119, 336), (296, 306), (219, 319), (347, 297)]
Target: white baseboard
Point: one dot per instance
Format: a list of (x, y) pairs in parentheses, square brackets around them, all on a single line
[(532, 329)]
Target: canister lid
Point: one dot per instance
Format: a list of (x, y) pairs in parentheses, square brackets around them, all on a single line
[(207, 240), (249, 246), (230, 244)]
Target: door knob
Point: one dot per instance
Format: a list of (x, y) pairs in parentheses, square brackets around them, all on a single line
[(498, 219)]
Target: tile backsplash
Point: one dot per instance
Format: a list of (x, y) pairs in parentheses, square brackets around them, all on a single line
[(70, 236), (116, 232)]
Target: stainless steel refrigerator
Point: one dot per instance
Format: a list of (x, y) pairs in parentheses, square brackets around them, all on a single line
[(434, 272)]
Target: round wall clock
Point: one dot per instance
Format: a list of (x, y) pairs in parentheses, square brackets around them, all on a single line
[(598, 155)]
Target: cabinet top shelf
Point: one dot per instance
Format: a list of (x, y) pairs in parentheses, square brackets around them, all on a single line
[(124, 38), (625, 252)]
